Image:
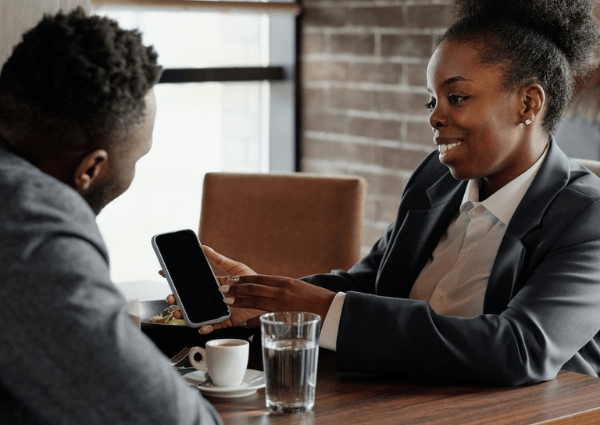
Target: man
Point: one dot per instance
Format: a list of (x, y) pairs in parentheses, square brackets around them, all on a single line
[(76, 113)]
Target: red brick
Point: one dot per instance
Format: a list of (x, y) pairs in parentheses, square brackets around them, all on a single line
[(324, 70), (337, 151), (318, 149), (321, 121), (309, 166), (352, 99), (388, 209), (384, 73), (338, 71), (314, 2), (381, 209), (312, 43), (386, 16), (419, 133), (384, 184), (371, 234), (313, 71), (324, 16), (372, 209), (362, 44), (398, 158), (416, 75), (430, 16), (391, 185), (313, 99), (377, 129), (322, 167), (419, 46), (371, 180), (408, 103)]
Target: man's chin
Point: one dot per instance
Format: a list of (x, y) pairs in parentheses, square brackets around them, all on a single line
[(97, 208), (97, 201)]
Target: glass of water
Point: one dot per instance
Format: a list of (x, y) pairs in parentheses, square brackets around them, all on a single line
[(290, 347)]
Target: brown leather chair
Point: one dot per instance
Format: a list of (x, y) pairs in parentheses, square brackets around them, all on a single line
[(284, 224), (590, 164)]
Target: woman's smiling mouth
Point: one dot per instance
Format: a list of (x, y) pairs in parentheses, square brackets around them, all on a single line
[(443, 148)]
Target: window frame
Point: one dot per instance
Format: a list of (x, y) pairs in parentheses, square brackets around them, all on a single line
[(283, 129)]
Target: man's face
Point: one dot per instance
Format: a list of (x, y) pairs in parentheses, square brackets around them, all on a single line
[(120, 170)]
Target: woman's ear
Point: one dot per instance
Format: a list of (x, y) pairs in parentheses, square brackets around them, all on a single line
[(533, 101), (90, 168)]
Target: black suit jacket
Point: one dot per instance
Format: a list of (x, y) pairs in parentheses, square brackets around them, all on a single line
[(541, 307)]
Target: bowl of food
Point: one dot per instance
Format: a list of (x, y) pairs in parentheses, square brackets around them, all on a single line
[(171, 334)]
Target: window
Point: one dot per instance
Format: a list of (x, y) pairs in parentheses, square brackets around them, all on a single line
[(226, 102)]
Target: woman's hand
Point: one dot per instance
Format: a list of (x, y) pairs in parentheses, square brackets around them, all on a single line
[(244, 317), (232, 268), (239, 317), (277, 293), (171, 300), (249, 295)]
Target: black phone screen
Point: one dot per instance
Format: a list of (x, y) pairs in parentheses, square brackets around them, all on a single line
[(191, 276)]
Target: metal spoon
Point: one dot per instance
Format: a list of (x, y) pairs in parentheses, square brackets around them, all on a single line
[(206, 381), (250, 383)]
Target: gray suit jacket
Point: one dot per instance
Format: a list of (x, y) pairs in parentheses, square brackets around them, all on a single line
[(69, 354), (542, 304)]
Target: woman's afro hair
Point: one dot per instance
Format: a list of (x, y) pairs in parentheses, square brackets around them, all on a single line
[(548, 42)]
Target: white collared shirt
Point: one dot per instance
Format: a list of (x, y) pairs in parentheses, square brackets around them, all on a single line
[(455, 278)]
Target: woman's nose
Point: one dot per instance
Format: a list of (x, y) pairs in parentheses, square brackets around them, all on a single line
[(437, 118)]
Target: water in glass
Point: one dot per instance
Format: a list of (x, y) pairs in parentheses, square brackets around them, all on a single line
[(291, 373)]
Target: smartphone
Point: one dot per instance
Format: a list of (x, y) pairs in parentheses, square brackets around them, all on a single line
[(191, 278)]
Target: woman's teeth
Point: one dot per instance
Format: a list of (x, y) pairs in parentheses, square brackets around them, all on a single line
[(446, 147)]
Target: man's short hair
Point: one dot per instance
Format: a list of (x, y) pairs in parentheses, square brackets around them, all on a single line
[(77, 79)]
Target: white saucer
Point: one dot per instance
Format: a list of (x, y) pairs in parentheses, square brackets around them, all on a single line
[(253, 380)]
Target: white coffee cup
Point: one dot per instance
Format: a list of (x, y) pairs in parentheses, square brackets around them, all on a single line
[(225, 360)]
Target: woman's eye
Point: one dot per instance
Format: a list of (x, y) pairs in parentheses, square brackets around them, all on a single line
[(430, 105), (455, 99)]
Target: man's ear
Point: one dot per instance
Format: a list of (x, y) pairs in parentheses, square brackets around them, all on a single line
[(89, 169), (533, 101)]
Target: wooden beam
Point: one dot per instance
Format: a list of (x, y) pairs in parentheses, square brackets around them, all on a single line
[(199, 75), (196, 5)]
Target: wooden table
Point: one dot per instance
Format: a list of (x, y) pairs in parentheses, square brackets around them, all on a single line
[(348, 399)]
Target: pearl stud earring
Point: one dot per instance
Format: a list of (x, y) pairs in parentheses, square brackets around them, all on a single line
[(527, 121)]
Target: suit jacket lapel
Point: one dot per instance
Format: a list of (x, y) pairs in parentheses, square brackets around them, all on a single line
[(422, 228), (503, 283)]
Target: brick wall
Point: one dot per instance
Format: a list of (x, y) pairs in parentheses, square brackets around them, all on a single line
[(363, 91)]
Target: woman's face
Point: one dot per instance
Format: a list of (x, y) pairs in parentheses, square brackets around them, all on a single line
[(477, 125)]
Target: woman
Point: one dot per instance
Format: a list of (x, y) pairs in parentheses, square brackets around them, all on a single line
[(491, 271)]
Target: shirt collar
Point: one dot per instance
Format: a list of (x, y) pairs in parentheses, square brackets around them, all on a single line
[(503, 203)]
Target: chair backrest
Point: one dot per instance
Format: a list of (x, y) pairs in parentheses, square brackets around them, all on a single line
[(284, 224), (590, 164)]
